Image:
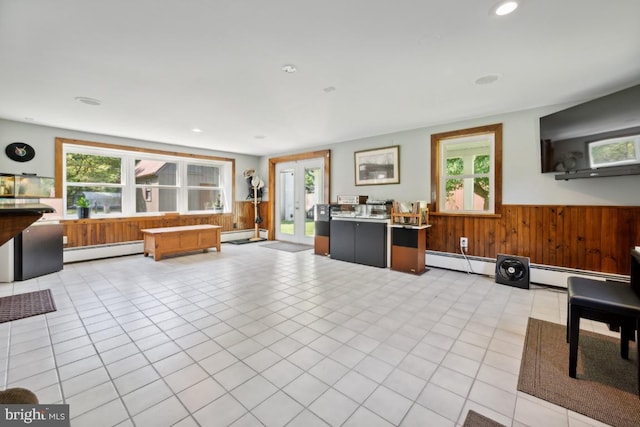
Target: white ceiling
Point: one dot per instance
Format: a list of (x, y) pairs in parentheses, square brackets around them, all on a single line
[(163, 67)]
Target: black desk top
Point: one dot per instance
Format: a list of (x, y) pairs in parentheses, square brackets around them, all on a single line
[(24, 208)]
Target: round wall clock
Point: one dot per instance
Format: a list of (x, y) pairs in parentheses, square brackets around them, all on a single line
[(20, 151)]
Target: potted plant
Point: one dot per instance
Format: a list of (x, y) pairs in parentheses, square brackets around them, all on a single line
[(84, 207)]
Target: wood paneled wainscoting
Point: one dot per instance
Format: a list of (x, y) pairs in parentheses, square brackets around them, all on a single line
[(101, 231), (593, 238)]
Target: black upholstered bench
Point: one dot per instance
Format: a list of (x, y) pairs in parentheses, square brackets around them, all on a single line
[(610, 302)]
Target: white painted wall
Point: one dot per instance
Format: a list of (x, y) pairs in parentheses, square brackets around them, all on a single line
[(523, 183), (42, 138)]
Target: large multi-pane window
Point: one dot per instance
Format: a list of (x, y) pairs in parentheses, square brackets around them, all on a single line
[(126, 183), (466, 170)]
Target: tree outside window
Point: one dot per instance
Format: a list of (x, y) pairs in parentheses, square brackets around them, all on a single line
[(466, 170)]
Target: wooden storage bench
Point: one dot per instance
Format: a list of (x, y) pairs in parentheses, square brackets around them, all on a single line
[(172, 240)]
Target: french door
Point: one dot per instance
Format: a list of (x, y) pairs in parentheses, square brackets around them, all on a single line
[(299, 187)]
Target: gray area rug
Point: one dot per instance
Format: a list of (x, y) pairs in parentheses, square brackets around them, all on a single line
[(287, 247), (606, 387)]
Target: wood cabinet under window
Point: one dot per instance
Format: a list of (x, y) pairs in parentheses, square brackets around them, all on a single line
[(408, 246)]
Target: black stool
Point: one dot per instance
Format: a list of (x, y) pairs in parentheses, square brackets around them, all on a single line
[(609, 302)]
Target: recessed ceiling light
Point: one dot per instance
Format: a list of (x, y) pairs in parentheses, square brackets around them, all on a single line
[(504, 8), (196, 130), (289, 68), (88, 101), (488, 79)]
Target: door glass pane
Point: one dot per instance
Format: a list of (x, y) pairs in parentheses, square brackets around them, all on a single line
[(312, 184), (287, 202)]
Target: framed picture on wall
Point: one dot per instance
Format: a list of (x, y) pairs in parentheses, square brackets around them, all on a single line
[(378, 166)]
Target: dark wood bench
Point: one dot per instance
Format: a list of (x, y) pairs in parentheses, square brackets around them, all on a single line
[(609, 302)]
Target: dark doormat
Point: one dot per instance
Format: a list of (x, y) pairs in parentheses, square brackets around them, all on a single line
[(19, 306), (475, 419), (606, 388), (243, 241)]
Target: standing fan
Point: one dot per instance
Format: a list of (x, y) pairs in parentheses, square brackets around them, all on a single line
[(512, 271)]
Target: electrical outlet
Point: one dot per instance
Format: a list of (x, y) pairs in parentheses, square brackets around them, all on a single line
[(464, 243)]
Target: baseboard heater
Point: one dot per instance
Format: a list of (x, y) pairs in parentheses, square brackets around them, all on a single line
[(88, 253), (540, 274)]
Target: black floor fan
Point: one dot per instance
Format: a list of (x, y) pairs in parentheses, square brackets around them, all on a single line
[(513, 271)]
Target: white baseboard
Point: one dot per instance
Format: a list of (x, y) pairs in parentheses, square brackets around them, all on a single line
[(540, 274), (87, 253)]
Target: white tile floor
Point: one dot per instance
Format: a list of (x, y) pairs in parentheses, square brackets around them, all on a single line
[(254, 336)]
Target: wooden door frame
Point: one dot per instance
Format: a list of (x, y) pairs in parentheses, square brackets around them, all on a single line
[(324, 154)]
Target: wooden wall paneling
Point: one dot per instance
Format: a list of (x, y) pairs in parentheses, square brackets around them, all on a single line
[(454, 231), (477, 236), (497, 231), (560, 244), (609, 228), (594, 238), (577, 232), (522, 244), (528, 232), (88, 232), (562, 236), (538, 234), (508, 245), (546, 235), (572, 236), (552, 226), (592, 221)]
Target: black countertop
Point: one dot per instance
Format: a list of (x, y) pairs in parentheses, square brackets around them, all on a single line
[(24, 208)]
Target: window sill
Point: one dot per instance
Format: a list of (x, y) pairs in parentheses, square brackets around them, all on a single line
[(466, 215), (140, 217)]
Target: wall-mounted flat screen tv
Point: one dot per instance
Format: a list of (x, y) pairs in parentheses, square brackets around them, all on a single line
[(596, 138)]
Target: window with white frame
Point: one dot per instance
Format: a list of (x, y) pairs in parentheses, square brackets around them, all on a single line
[(466, 170), (118, 182)]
